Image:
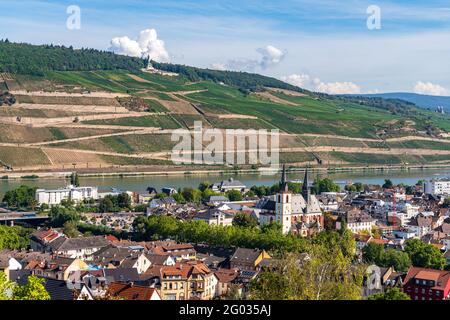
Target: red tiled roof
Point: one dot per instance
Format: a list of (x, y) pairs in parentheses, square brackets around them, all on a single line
[(130, 291), (183, 269), (226, 275), (441, 277), (111, 238), (378, 241)]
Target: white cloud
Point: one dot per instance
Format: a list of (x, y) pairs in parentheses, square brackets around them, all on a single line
[(430, 89), (218, 66), (271, 56), (315, 84), (147, 44), (338, 87), (299, 80)]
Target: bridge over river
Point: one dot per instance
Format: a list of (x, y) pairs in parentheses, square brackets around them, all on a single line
[(30, 218)]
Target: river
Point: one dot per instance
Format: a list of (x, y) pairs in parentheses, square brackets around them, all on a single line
[(140, 183)]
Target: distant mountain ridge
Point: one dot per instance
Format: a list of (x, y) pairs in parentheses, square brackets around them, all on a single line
[(421, 100)]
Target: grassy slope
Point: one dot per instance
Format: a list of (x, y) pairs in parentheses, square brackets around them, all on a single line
[(309, 115)]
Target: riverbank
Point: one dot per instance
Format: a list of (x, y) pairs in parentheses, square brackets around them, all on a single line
[(161, 171)]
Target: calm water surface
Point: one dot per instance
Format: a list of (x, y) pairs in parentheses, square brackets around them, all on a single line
[(140, 183)]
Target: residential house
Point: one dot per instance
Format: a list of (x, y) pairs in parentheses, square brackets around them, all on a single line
[(183, 281), (357, 221), (165, 203), (112, 256), (145, 198), (58, 268), (230, 184), (46, 239), (248, 259), (130, 291), (169, 191), (180, 251), (427, 284), (215, 217), (82, 247), (8, 263), (421, 225), (225, 278), (216, 200)]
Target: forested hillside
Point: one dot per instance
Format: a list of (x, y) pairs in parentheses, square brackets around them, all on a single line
[(242, 80), (22, 58)]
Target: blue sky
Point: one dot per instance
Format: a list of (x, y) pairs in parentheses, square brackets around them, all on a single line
[(323, 45)]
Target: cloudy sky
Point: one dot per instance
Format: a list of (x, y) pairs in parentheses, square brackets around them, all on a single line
[(322, 45)]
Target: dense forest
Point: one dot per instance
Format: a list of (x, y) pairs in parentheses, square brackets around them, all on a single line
[(245, 81), (35, 60)]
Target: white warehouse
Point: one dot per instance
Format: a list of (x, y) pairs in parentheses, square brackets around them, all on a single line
[(77, 194)]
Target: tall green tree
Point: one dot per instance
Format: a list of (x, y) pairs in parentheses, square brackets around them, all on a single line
[(376, 254), (14, 237), (424, 255), (324, 185), (33, 290), (234, 195), (192, 195), (6, 287), (21, 197), (74, 179), (60, 215), (387, 184), (244, 220), (322, 274)]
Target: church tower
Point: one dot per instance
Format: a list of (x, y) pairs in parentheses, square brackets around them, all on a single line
[(283, 204), (305, 187)]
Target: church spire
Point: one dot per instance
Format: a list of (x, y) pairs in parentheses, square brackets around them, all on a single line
[(305, 187), (284, 185)]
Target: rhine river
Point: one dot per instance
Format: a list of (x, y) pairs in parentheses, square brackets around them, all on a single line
[(140, 183)]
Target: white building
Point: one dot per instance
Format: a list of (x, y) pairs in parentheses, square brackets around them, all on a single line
[(215, 217), (77, 194), (357, 221), (229, 184), (438, 187)]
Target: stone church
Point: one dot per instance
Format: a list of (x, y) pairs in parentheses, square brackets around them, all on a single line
[(297, 213)]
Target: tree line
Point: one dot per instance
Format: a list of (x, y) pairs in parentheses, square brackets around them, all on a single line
[(246, 82), (23, 58)]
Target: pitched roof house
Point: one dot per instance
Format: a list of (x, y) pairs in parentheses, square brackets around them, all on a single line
[(247, 259), (82, 247), (427, 284), (130, 291)]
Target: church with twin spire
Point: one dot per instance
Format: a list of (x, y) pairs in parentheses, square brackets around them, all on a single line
[(297, 213)]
